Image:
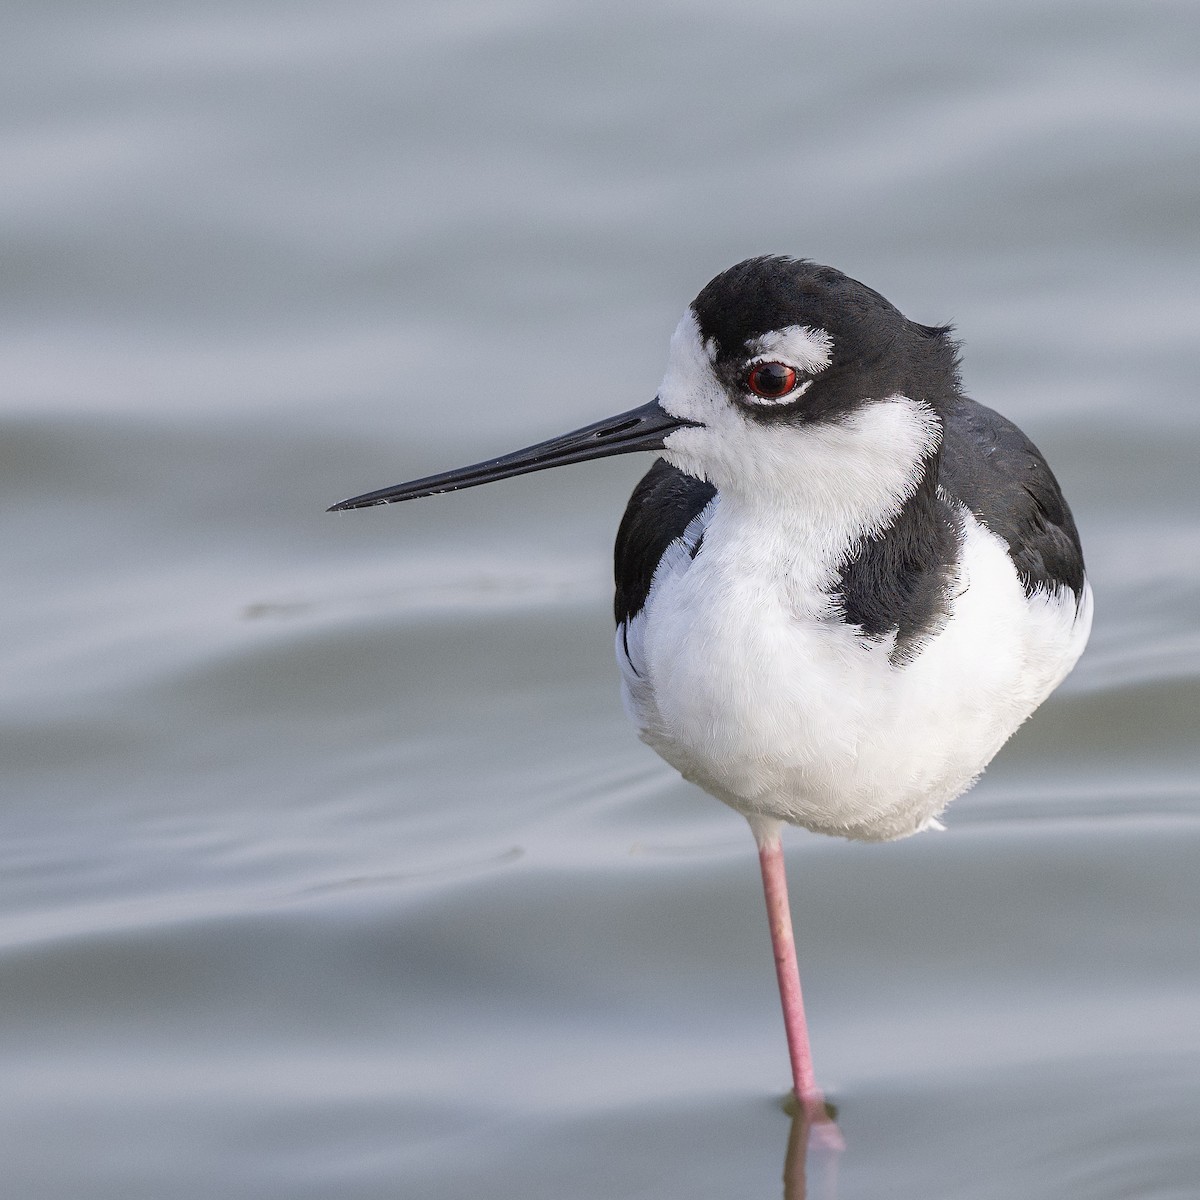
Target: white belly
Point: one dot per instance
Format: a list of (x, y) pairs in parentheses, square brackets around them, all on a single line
[(740, 676)]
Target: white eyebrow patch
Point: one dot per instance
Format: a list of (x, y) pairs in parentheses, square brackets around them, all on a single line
[(798, 345)]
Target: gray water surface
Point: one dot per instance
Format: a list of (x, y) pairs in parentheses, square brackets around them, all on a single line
[(328, 864)]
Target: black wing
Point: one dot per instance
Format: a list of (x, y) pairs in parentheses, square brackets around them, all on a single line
[(662, 506), (1001, 476)]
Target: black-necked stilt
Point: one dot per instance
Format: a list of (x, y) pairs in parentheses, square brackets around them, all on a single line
[(842, 586)]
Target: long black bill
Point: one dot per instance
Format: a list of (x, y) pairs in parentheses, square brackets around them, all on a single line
[(639, 429)]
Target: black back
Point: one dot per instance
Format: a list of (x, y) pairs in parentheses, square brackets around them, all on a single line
[(1001, 476)]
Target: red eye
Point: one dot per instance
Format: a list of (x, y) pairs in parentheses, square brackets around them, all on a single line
[(771, 380)]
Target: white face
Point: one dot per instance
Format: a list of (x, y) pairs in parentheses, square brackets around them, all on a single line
[(868, 461)]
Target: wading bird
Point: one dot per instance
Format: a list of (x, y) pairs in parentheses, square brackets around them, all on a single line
[(842, 585)]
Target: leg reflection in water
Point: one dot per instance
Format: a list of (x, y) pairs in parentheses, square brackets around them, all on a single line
[(814, 1147)]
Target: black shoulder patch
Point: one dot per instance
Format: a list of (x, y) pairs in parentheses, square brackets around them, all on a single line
[(662, 506), (1000, 475), (902, 579)]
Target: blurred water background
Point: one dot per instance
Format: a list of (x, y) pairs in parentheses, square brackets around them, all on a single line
[(328, 865)]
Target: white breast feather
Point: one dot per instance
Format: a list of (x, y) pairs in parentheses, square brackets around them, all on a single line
[(741, 675), (797, 717)]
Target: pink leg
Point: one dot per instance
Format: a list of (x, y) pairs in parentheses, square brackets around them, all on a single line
[(812, 1103)]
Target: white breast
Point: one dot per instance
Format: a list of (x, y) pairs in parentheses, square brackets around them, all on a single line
[(739, 672)]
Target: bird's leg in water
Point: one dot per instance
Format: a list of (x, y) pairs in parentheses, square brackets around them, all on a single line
[(770, 857)]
